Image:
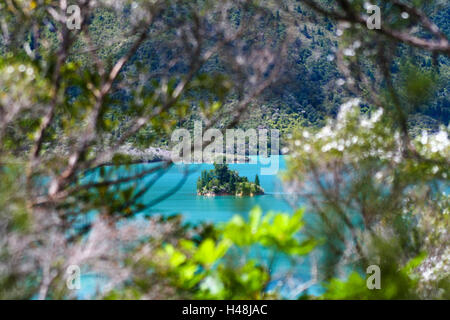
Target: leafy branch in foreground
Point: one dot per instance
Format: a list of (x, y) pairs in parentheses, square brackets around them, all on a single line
[(217, 264)]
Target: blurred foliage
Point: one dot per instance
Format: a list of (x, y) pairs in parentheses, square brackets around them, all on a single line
[(210, 267), (372, 171)]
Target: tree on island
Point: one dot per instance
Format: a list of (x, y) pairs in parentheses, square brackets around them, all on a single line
[(223, 181), (257, 181)]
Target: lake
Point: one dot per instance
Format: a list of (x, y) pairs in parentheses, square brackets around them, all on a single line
[(197, 209)]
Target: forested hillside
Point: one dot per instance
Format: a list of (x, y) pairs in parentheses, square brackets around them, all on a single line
[(308, 90)]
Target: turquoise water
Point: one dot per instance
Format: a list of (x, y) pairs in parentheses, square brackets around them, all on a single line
[(197, 209)]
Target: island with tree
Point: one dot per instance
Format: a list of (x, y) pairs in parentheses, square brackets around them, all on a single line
[(222, 181)]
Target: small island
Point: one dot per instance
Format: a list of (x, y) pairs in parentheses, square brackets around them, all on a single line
[(222, 181)]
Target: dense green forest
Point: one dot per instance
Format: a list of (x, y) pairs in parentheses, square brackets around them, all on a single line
[(308, 91), (223, 181)]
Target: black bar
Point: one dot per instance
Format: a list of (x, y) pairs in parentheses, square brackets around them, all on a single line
[(223, 309)]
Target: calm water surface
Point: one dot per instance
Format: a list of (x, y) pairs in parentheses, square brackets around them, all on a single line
[(196, 209)]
